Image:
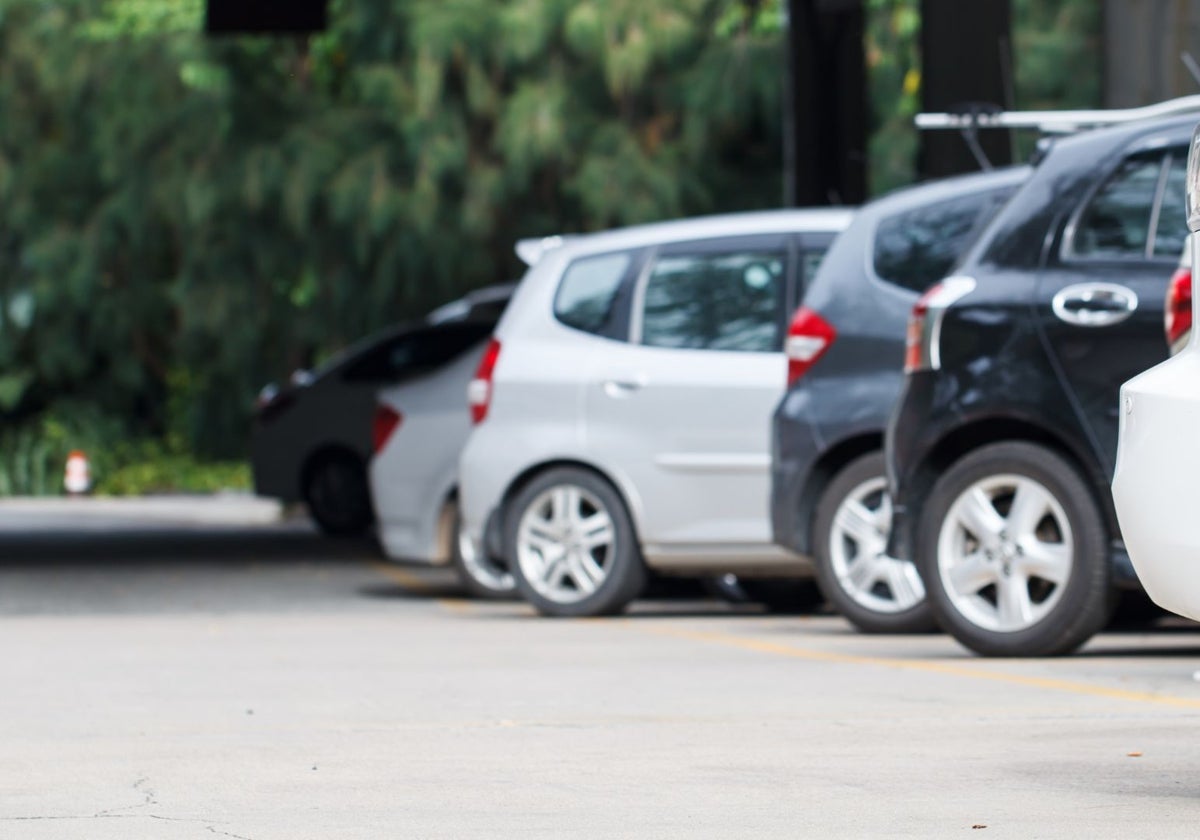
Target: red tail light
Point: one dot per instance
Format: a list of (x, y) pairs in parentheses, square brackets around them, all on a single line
[(479, 392), (808, 339), (914, 337), (1178, 311), (386, 421), (921, 342)]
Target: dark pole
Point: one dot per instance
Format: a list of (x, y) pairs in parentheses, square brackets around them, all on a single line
[(966, 55), (825, 162)]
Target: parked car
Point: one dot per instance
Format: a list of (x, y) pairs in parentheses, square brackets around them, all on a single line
[(419, 430), (845, 350), (1002, 446), (312, 436), (622, 409), (1158, 457)]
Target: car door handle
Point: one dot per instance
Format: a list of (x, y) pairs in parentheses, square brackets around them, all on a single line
[(1094, 304), (622, 388)]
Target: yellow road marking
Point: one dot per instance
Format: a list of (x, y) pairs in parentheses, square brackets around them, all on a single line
[(414, 584), (970, 672)]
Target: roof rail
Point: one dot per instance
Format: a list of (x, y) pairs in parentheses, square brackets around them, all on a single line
[(1053, 122)]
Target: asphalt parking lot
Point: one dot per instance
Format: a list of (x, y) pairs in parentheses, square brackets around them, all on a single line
[(256, 681)]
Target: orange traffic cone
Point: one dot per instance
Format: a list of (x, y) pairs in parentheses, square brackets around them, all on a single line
[(77, 479)]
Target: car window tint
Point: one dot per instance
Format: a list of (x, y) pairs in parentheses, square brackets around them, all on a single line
[(810, 261), (588, 291), (413, 354), (1116, 222), (715, 302), (1172, 229), (917, 248)]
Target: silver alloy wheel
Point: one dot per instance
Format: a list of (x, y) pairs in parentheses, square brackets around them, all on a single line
[(565, 544), (1005, 551), (486, 572), (858, 552)]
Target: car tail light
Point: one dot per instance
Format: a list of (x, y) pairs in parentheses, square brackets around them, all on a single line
[(479, 391), (385, 422), (1178, 311), (922, 349), (809, 337)]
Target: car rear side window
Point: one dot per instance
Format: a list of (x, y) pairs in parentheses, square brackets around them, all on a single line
[(1116, 222), (715, 301), (587, 293), (917, 248), (1171, 228)]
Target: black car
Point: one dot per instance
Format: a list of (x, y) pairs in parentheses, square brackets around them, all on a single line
[(1001, 448), (845, 351), (312, 437)]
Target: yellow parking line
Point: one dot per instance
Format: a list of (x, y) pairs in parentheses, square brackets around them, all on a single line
[(414, 584), (950, 669)]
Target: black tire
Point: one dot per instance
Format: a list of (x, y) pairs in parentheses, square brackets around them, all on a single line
[(862, 612), (1085, 602), (482, 578), (624, 572), (338, 497), (784, 596)]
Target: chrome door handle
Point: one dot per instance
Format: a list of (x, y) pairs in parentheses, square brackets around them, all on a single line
[(1094, 304)]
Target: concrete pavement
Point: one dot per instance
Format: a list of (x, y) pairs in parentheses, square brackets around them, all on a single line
[(372, 701)]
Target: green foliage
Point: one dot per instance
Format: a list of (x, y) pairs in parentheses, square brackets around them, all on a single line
[(185, 219), (894, 72), (151, 470)]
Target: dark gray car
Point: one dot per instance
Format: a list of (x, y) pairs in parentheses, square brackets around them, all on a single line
[(845, 350)]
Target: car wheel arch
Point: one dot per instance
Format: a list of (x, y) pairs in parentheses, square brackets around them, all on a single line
[(623, 489), (824, 471), (989, 430), (324, 452)]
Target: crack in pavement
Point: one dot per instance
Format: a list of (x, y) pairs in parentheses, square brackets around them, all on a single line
[(150, 798), (104, 815), (147, 793)]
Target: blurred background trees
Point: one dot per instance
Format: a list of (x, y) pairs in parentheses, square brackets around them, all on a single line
[(183, 219)]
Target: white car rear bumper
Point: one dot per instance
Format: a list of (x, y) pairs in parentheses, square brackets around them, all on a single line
[(1155, 485)]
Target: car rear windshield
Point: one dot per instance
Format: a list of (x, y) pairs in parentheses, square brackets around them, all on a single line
[(917, 248), (413, 354)]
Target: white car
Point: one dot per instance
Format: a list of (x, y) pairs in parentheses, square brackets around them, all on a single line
[(418, 433), (623, 408), (1158, 460), (312, 436)]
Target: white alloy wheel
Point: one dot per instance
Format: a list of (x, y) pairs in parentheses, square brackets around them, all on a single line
[(1005, 552), (492, 578), (858, 552), (565, 543)]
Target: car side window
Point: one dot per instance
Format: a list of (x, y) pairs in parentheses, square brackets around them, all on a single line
[(1116, 222), (916, 248), (715, 301), (587, 294), (1171, 230)]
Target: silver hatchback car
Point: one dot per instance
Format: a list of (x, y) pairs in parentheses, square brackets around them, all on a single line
[(623, 409)]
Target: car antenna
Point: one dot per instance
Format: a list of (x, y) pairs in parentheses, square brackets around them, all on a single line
[(1190, 63)]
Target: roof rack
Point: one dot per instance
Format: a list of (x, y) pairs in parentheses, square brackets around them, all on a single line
[(976, 116), (970, 117)]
